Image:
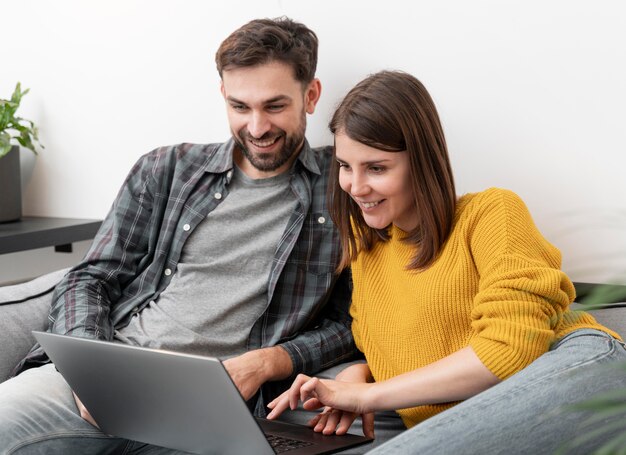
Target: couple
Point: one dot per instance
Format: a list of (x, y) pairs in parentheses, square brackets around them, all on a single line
[(228, 250)]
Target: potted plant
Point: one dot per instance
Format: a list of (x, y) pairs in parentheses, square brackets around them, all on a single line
[(13, 130)]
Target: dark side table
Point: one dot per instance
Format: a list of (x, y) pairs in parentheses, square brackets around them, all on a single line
[(39, 232)]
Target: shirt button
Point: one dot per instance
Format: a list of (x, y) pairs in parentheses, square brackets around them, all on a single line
[(218, 195), (186, 227), (229, 174), (167, 272), (321, 220)]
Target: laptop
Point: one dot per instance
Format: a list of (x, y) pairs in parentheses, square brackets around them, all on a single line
[(174, 400)]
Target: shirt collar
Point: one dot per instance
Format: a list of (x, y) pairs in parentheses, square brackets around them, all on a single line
[(309, 158), (222, 159)]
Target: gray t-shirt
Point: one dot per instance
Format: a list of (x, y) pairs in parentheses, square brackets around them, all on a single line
[(219, 289)]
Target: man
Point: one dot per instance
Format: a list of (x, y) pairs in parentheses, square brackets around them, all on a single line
[(222, 249)]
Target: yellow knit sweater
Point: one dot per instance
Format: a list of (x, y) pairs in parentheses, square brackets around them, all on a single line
[(496, 286)]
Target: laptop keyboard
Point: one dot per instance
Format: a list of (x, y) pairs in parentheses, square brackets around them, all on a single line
[(281, 444)]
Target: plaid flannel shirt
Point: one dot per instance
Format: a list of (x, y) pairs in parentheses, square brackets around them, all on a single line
[(166, 195)]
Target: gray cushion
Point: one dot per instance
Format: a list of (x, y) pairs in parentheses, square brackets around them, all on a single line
[(612, 316), (23, 308)]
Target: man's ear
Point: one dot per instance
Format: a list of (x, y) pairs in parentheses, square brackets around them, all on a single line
[(222, 89), (312, 95)]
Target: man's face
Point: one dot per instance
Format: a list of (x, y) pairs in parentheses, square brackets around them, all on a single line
[(267, 110)]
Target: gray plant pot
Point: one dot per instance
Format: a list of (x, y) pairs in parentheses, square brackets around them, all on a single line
[(10, 186)]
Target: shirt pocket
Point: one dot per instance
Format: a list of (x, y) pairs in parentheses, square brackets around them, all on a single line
[(317, 248)]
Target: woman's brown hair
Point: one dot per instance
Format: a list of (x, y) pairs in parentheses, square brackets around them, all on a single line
[(392, 111)]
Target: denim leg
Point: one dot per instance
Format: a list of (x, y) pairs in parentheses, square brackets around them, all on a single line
[(526, 413), (38, 416)]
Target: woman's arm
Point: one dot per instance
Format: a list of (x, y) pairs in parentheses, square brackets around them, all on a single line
[(456, 377)]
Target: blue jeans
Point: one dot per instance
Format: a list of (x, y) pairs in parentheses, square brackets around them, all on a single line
[(527, 413), (38, 416)]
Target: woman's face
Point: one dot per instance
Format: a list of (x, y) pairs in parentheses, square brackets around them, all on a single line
[(379, 183)]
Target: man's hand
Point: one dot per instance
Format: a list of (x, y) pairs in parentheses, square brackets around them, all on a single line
[(84, 413), (251, 370)]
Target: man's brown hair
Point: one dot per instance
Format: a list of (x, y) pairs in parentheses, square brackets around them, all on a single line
[(392, 111), (266, 40)]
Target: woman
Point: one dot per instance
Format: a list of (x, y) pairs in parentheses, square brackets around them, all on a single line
[(459, 304)]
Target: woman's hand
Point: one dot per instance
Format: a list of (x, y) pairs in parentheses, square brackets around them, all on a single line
[(344, 401), (328, 420)]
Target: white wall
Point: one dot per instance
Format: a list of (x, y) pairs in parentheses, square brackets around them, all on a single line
[(532, 95)]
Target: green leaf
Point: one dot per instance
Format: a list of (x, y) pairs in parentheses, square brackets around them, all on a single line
[(606, 417), (8, 103), (612, 446), (27, 133), (602, 293), (602, 415), (17, 94), (4, 149), (612, 396), (599, 404), (590, 435), (25, 141)]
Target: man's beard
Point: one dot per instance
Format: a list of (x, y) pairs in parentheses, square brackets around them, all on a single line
[(267, 162)]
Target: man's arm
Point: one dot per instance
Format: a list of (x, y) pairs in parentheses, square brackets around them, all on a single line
[(329, 341), (82, 301)]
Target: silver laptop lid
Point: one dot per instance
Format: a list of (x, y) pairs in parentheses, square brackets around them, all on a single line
[(157, 397)]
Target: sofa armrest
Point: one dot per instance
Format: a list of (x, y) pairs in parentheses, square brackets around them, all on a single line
[(23, 307)]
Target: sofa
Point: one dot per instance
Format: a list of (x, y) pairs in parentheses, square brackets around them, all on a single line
[(24, 307)]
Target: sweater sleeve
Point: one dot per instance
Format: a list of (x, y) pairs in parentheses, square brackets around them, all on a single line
[(522, 291), (356, 326)]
